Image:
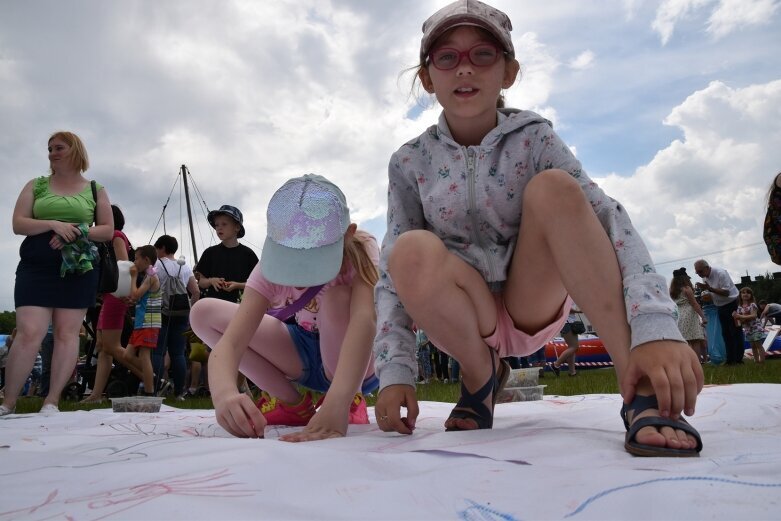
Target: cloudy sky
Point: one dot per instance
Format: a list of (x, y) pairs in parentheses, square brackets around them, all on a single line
[(673, 106)]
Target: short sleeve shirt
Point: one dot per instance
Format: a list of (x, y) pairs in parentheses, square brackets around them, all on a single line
[(280, 296)]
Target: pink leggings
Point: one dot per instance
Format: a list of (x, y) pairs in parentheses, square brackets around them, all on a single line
[(272, 359)]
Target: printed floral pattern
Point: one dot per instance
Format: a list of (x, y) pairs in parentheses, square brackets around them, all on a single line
[(473, 199)]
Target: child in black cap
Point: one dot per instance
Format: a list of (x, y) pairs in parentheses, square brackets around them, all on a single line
[(223, 268)]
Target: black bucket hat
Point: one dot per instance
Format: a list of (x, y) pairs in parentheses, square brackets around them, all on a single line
[(232, 212)]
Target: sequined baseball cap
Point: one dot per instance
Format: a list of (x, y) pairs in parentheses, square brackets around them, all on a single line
[(306, 221), (467, 12)]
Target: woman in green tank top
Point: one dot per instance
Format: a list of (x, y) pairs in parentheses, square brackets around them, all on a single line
[(51, 212)]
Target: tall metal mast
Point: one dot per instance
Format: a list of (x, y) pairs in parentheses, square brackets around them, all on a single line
[(185, 173)]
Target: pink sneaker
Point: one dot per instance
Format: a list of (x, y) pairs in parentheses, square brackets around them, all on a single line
[(278, 413), (358, 414)]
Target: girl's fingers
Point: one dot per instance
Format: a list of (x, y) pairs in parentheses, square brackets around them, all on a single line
[(677, 391), (661, 386)]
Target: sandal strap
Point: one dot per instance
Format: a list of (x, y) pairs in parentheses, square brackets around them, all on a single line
[(660, 421), (638, 404), (471, 406)]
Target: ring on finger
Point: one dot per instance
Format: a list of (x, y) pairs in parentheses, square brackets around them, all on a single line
[(383, 418)]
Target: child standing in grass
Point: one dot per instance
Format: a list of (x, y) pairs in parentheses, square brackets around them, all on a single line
[(492, 225), (148, 316), (747, 315)]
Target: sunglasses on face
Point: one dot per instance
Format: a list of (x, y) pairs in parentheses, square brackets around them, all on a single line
[(481, 55)]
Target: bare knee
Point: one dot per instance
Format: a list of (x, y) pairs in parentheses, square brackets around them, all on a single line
[(552, 191), (414, 255), (202, 317)]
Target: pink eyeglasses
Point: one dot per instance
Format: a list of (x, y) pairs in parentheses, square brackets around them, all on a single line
[(481, 55)]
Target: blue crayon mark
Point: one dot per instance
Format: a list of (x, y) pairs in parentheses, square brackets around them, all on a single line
[(604, 493), (478, 512)]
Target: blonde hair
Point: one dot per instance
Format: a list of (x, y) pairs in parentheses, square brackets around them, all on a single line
[(78, 152), (750, 292), (355, 251)]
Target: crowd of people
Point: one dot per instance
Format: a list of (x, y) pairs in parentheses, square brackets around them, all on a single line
[(325, 314)]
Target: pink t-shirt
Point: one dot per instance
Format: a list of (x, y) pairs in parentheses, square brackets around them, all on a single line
[(280, 296)]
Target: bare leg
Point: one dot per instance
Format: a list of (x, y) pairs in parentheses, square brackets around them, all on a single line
[(67, 324), (145, 360), (31, 325), (109, 347), (759, 352), (450, 301), (271, 361), (195, 375), (130, 360), (563, 245), (568, 355)]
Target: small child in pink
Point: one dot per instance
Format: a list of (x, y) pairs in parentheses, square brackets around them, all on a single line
[(315, 260), (747, 316)]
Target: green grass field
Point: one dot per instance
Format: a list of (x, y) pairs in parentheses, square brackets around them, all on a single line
[(591, 381)]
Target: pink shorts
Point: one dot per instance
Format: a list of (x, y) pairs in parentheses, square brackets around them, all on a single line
[(112, 313), (509, 341)]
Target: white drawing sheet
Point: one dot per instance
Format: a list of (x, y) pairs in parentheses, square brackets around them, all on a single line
[(558, 458)]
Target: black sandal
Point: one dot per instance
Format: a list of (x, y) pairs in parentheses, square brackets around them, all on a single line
[(642, 403), (471, 406)]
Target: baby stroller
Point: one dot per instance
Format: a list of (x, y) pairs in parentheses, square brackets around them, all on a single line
[(121, 382)]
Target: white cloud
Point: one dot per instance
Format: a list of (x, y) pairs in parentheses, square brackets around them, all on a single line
[(708, 189), (584, 60), (538, 69), (247, 94), (671, 12), (732, 15), (725, 17)]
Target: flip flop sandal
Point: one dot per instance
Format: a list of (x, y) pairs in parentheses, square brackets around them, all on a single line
[(642, 403), (471, 406)]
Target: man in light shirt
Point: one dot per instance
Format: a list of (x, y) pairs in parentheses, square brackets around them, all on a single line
[(725, 296)]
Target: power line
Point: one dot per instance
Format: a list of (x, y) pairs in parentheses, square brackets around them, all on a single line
[(709, 253)]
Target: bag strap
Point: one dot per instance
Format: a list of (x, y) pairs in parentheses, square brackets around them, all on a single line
[(293, 308), (95, 197), (177, 279)]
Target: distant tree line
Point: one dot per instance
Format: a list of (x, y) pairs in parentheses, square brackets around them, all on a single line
[(7, 322), (765, 287)]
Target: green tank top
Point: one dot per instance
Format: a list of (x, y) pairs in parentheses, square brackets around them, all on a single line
[(79, 208)]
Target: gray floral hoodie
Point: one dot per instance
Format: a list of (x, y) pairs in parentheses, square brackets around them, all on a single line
[(471, 197)]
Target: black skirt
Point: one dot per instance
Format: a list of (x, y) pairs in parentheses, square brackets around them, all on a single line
[(38, 281)]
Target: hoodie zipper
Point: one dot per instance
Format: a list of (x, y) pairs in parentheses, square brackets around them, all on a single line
[(472, 208)]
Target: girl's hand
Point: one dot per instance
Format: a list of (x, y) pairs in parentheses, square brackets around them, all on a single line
[(387, 410), (325, 424), (231, 286), (237, 414), (673, 371), (217, 283)]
